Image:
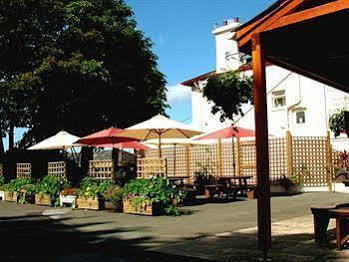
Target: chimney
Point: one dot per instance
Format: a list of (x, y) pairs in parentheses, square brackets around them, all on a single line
[(225, 22), (236, 19)]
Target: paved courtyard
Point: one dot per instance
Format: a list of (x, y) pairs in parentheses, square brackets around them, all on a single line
[(213, 232)]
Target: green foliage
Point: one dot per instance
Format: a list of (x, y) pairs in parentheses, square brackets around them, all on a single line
[(92, 188), (115, 195), (229, 91), (16, 185), (2, 181), (52, 186), (336, 122), (155, 190)]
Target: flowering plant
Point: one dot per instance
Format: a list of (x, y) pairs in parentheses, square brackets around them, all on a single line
[(52, 186), (155, 190), (93, 188)]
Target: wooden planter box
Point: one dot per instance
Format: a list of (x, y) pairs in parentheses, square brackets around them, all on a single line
[(147, 209), (93, 203), (2, 195), (42, 199), (10, 196), (109, 205), (28, 199), (279, 190)]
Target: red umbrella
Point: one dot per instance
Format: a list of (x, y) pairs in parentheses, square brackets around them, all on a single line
[(106, 136), (229, 132), (132, 145)]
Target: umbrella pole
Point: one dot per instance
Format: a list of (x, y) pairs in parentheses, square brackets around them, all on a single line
[(159, 147), (233, 148), (174, 161)]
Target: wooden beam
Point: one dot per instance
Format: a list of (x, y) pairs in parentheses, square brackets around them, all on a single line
[(250, 27), (309, 14), (262, 144), (284, 11)]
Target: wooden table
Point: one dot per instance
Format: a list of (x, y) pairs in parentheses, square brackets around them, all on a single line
[(242, 182), (322, 214), (179, 179), (342, 225)]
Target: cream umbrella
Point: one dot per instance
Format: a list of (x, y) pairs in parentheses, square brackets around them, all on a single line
[(60, 141), (159, 127)]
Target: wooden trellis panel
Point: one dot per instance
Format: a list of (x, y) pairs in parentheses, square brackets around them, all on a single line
[(247, 155), (310, 160), (58, 169), (147, 167), (102, 169), (24, 170), (277, 158)]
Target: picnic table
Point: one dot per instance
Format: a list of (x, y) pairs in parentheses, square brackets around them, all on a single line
[(237, 182), (323, 213), (178, 180)]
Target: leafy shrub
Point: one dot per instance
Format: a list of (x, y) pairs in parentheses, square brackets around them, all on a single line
[(52, 186), (115, 195), (336, 122), (156, 190), (2, 181), (16, 185), (93, 188)]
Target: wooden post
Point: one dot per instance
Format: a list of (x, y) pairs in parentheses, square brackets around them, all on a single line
[(238, 162), (187, 161), (262, 145), (219, 157), (289, 153), (329, 161)]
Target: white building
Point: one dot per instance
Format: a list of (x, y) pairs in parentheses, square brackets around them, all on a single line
[(295, 103)]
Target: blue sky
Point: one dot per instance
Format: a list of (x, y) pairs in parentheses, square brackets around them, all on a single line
[(181, 33)]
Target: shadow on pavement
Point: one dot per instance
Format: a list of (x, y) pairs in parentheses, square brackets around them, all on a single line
[(39, 238)]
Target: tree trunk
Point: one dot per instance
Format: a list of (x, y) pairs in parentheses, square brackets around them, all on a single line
[(2, 149), (11, 137), (115, 157), (86, 155)]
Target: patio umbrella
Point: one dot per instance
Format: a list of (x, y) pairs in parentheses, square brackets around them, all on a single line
[(106, 136), (229, 132), (60, 141), (159, 127)]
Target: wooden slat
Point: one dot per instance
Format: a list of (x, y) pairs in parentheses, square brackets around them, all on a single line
[(147, 167), (308, 14), (102, 169), (58, 168), (24, 170)]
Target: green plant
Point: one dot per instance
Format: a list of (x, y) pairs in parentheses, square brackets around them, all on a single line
[(115, 195), (16, 185), (2, 181), (92, 188), (336, 122), (156, 190), (51, 186)]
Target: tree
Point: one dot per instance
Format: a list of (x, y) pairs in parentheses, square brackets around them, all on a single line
[(229, 91), (92, 70)]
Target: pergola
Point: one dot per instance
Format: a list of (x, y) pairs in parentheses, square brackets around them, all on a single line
[(308, 37)]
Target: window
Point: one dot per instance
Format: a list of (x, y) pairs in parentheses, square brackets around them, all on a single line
[(300, 117), (279, 99)]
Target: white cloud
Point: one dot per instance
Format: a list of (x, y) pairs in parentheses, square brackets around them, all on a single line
[(178, 93)]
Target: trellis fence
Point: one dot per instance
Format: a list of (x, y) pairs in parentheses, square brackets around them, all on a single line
[(305, 157)]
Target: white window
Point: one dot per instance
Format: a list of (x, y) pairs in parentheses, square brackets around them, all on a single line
[(279, 99), (300, 117)]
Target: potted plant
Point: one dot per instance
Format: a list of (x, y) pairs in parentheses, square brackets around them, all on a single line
[(113, 198), (285, 186), (337, 123), (90, 193), (48, 190), (15, 190), (152, 196)]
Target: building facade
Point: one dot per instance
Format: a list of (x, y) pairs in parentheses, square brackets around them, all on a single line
[(295, 103)]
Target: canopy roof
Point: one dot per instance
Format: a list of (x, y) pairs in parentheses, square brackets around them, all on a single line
[(300, 35), (159, 126), (61, 140)]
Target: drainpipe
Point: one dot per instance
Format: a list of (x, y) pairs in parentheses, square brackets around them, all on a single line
[(295, 104)]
